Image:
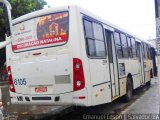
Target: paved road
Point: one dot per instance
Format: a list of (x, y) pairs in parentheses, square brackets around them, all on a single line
[(26, 111), (143, 99), (148, 102), (146, 106)]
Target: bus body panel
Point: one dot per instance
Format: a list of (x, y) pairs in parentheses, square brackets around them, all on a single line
[(41, 99), (45, 75), (51, 70), (41, 73), (148, 67)]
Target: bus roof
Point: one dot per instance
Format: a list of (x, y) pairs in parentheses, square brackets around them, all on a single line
[(81, 10)]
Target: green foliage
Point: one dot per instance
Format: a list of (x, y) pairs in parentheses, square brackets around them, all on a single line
[(19, 8)]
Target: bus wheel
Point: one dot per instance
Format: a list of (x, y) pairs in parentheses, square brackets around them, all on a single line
[(148, 83), (129, 90)]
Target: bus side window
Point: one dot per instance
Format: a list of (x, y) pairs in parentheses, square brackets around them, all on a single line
[(124, 45), (118, 45), (94, 39), (137, 49), (129, 47), (145, 50), (88, 29), (149, 55), (133, 47)]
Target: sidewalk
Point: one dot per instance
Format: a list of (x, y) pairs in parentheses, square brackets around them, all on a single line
[(149, 103)]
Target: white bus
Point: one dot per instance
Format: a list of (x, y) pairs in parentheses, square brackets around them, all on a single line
[(68, 56)]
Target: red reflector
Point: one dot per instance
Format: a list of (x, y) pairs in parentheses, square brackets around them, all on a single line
[(11, 84), (82, 97), (36, 53), (78, 75)]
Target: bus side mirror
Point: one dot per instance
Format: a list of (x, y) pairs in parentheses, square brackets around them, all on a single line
[(8, 22), (7, 16)]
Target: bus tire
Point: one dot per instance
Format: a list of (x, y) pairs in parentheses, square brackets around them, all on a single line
[(129, 90), (148, 83)]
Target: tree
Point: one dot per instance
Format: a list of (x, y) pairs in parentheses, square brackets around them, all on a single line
[(19, 8)]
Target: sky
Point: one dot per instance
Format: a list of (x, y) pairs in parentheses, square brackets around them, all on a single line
[(135, 16)]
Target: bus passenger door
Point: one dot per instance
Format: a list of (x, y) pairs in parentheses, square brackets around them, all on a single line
[(112, 63)]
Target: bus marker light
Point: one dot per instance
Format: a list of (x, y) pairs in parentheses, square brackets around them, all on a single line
[(36, 54), (82, 97), (101, 90)]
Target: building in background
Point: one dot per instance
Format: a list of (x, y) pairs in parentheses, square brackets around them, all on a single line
[(156, 44), (157, 15), (157, 40), (153, 42)]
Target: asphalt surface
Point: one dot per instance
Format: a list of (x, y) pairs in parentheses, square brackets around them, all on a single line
[(24, 112), (148, 103), (146, 106), (145, 101), (116, 108)]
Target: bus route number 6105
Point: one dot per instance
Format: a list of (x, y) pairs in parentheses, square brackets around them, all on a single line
[(21, 81)]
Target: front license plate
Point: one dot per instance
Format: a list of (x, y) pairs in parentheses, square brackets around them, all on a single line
[(41, 89)]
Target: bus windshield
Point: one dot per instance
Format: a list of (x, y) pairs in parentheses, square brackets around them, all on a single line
[(41, 32)]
